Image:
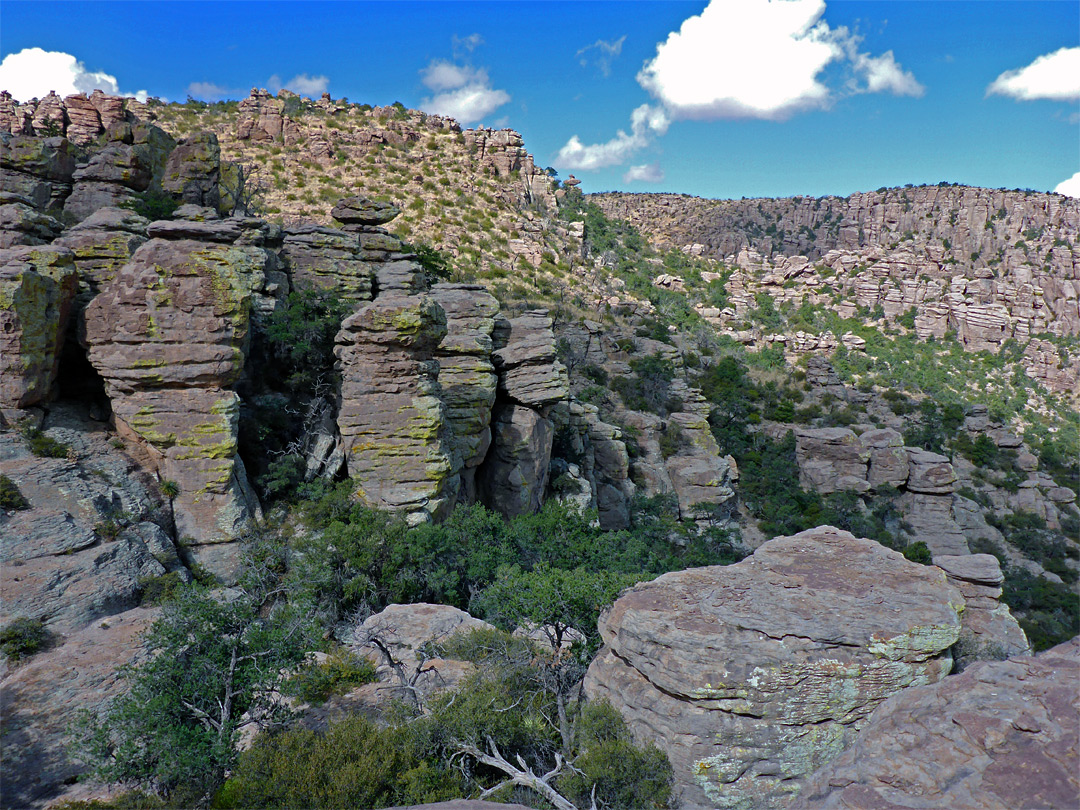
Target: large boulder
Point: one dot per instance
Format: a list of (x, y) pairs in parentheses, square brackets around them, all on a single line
[(169, 336), (362, 211), (753, 675), (37, 287), (889, 463), (326, 258), (524, 356), (38, 169), (930, 473), (1001, 735), (831, 460), (102, 244), (394, 425), (193, 170)]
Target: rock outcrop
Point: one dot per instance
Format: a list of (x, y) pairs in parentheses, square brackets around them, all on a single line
[(752, 676), (38, 169), (168, 336), (988, 629), (1002, 734), (393, 422), (37, 289)]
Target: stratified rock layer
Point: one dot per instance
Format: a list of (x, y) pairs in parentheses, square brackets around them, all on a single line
[(751, 676), (168, 335), (37, 287), (1001, 735), (393, 423)]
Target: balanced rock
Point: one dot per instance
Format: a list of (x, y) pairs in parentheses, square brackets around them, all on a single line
[(930, 473), (524, 356), (753, 675), (362, 211), (394, 425), (988, 629), (1002, 735)]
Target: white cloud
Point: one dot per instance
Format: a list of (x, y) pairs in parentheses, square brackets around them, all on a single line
[(33, 72), (761, 59), (442, 74), (1070, 187), (302, 84), (883, 73), (461, 91), (647, 173), (469, 43), (1054, 76), (207, 91), (646, 122), (606, 53)]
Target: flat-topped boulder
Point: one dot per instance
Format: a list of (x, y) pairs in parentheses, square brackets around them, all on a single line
[(751, 676), (362, 211)]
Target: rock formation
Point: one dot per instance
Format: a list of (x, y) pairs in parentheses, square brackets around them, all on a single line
[(37, 288), (753, 675), (394, 424), (168, 334), (1002, 734)]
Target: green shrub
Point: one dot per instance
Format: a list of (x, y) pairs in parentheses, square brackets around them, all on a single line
[(648, 389), (159, 589), (341, 671), (918, 552), (22, 637), (43, 445), (153, 205), (10, 497), (672, 440)]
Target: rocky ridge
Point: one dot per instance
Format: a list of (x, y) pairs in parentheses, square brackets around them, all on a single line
[(987, 265)]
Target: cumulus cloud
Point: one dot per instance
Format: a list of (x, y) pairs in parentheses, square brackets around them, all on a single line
[(1054, 76), (884, 74), (603, 54), (302, 84), (33, 73), (761, 59), (1070, 187), (208, 91), (646, 122), (647, 173), (460, 91)]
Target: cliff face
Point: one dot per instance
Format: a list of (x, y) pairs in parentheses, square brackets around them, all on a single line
[(986, 264)]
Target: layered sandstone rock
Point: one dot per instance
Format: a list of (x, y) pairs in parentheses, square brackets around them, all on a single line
[(22, 224), (466, 374), (753, 675), (169, 336), (102, 244), (394, 425), (37, 288), (327, 258), (831, 460), (1001, 734), (193, 170), (988, 629), (39, 169)]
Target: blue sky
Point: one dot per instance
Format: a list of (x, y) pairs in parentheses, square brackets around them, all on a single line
[(725, 99)]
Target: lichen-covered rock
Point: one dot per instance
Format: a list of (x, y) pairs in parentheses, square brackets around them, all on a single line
[(102, 243), (988, 630), (22, 224), (930, 520), (193, 170), (888, 459), (169, 336), (753, 675), (42, 698), (466, 374), (327, 258), (37, 287), (998, 736), (362, 211), (524, 356), (514, 475), (394, 425), (37, 168)]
